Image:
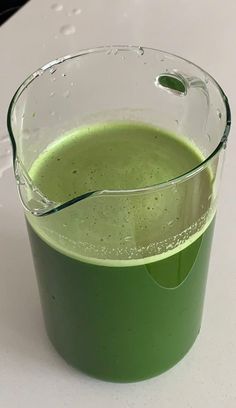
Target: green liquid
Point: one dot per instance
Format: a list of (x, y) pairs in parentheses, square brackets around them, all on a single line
[(116, 306)]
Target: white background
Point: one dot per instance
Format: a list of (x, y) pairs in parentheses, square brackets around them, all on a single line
[(31, 372)]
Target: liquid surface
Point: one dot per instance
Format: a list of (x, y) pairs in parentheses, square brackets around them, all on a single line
[(111, 157), (121, 228)]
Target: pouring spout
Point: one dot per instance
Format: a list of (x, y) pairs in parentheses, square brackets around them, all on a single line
[(33, 200)]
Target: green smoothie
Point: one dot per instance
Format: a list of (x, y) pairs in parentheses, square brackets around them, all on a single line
[(122, 274)]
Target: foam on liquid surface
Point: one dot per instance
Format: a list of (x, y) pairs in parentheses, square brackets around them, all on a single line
[(123, 229)]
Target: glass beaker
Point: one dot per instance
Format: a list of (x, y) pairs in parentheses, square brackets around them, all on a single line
[(121, 271)]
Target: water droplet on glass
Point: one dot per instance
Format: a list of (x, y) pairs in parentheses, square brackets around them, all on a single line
[(72, 84), (57, 7), (209, 137), (67, 29), (140, 51), (52, 113), (64, 75), (52, 70), (52, 94), (219, 114)]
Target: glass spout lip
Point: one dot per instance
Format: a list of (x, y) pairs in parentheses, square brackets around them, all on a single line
[(106, 50)]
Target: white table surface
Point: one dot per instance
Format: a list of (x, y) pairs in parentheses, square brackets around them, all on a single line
[(31, 372)]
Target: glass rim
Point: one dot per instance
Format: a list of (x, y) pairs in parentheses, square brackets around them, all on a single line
[(116, 48)]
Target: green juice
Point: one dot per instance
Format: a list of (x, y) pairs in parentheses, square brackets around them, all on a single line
[(122, 296)]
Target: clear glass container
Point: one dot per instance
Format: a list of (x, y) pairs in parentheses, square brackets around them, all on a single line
[(121, 272)]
